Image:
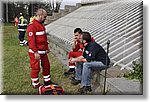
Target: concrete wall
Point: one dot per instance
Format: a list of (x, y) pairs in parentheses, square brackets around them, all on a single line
[(62, 12), (59, 48)]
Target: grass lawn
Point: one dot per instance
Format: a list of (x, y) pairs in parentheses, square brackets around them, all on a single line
[(16, 68)]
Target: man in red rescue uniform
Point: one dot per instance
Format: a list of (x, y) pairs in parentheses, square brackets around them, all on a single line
[(76, 51), (38, 49)]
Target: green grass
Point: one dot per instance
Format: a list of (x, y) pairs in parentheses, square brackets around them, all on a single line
[(16, 68)]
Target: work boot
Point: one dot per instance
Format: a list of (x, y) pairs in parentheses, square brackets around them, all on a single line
[(85, 89), (75, 82), (35, 83), (49, 83), (72, 78), (70, 71)]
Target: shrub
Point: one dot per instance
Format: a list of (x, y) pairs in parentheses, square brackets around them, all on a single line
[(136, 73)]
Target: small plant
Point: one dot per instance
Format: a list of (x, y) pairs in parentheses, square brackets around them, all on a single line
[(136, 73)]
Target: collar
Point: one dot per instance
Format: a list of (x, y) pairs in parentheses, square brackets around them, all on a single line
[(37, 21)]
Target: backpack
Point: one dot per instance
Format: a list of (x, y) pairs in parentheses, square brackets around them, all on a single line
[(50, 90)]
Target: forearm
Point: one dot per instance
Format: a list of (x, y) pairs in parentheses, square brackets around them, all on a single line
[(74, 43), (81, 59), (73, 46)]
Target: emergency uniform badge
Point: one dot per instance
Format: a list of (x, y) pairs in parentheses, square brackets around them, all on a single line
[(30, 33)]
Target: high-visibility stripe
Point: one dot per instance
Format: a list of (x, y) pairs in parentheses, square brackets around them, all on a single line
[(47, 79), (22, 24), (40, 33), (24, 41), (71, 66), (21, 29), (39, 52), (34, 79), (21, 44), (42, 52), (46, 76)]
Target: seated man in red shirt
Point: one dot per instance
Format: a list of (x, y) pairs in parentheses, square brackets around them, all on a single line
[(77, 49)]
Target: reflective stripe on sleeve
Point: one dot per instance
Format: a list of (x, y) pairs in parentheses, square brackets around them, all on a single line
[(40, 33), (39, 52)]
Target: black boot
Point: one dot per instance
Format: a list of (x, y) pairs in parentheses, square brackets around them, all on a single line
[(70, 71), (85, 89), (75, 82), (49, 83)]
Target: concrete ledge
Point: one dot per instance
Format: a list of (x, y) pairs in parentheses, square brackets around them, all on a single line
[(124, 87)]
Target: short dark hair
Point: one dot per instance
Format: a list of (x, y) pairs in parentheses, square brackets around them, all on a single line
[(86, 36), (78, 30)]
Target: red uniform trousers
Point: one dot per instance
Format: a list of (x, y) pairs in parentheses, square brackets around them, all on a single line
[(73, 54), (35, 65)]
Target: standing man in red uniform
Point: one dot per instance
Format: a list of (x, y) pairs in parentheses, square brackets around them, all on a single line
[(38, 49)]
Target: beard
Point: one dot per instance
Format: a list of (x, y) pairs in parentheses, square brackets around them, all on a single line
[(43, 21)]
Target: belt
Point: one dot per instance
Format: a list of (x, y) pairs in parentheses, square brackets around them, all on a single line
[(39, 52)]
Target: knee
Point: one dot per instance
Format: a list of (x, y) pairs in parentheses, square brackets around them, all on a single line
[(86, 64), (35, 70), (86, 67), (70, 53)]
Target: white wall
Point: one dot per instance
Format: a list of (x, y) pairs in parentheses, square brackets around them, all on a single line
[(69, 2)]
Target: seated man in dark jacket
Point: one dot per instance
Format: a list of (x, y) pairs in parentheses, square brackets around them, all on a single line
[(94, 58)]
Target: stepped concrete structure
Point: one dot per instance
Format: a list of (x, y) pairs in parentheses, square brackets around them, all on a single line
[(120, 21)]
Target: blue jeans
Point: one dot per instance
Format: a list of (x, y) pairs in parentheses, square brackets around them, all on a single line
[(83, 71)]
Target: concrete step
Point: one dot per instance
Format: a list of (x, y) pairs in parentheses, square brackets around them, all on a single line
[(116, 84), (122, 86)]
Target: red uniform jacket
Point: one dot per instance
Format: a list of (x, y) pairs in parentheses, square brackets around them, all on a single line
[(78, 46), (37, 38)]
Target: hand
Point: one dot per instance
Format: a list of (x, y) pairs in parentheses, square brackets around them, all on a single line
[(75, 40), (47, 51), (72, 60), (37, 56), (74, 43)]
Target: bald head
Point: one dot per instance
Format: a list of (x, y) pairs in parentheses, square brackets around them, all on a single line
[(41, 15), (41, 12)]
